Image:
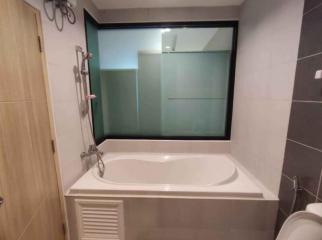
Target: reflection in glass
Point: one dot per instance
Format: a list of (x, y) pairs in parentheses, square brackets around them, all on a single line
[(166, 82)]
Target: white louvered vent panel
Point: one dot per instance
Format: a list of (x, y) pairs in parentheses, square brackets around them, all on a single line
[(100, 219)]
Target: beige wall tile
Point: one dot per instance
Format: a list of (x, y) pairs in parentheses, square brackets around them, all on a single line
[(266, 60), (169, 14), (195, 219)]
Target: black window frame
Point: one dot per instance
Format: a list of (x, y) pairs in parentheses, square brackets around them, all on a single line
[(197, 24)]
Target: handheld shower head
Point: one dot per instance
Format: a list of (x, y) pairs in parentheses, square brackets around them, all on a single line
[(88, 56), (85, 57), (78, 48)]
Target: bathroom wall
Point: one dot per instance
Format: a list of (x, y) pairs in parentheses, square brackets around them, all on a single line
[(169, 14), (61, 59), (303, 154), (72, 134), (266, 60), (150, 218)]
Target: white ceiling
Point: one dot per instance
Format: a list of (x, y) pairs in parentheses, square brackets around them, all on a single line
[(124, 4)]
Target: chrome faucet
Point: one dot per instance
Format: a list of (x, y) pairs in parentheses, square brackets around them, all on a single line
[(93, 150)]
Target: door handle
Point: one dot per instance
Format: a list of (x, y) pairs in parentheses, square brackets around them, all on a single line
[(1, 201)]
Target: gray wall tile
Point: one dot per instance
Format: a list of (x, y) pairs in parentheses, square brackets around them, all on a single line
[(306, 87), (303, 162), (306, 124), (311, 37), (303, 158), (281, 217), (320, 190), (304, 198), (310, 4), (286, 195)]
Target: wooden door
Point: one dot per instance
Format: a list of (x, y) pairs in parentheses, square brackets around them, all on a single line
[(28, 179)]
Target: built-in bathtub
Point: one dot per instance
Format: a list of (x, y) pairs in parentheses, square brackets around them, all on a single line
[(171, 195), (169, 169), (204, 175)]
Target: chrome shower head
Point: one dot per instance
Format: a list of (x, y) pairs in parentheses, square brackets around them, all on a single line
[(85, 57), (88, 56)]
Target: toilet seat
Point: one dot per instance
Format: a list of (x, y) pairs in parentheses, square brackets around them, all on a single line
[(302, 226)]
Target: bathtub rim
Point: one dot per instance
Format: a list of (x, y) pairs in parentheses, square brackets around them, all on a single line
[(87, 185)]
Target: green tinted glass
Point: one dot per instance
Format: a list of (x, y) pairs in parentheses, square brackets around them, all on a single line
[(161, 82)]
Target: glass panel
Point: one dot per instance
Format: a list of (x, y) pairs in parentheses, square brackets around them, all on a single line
[(163, 83), (95, 77)]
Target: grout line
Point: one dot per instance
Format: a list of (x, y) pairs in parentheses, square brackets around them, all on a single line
[(305, 101), (308, 56), (319, 188), (302, 144), (283, 212), (303, 188), (312, 9), (288, 178), (309, 192)]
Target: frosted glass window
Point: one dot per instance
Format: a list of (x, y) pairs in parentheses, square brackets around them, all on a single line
[(166, 82)]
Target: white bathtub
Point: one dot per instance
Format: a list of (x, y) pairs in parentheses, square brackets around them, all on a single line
[(159, 174), (165, 169), (172, 188)]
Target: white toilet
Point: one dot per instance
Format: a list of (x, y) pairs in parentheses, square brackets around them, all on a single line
[(304, 225)]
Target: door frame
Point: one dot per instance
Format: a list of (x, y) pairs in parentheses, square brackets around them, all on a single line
[(51, 118)]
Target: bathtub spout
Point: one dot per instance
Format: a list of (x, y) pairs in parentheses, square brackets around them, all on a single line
[(93, 150)]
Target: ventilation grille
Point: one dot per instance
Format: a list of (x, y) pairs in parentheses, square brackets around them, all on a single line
[(100, 219)]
